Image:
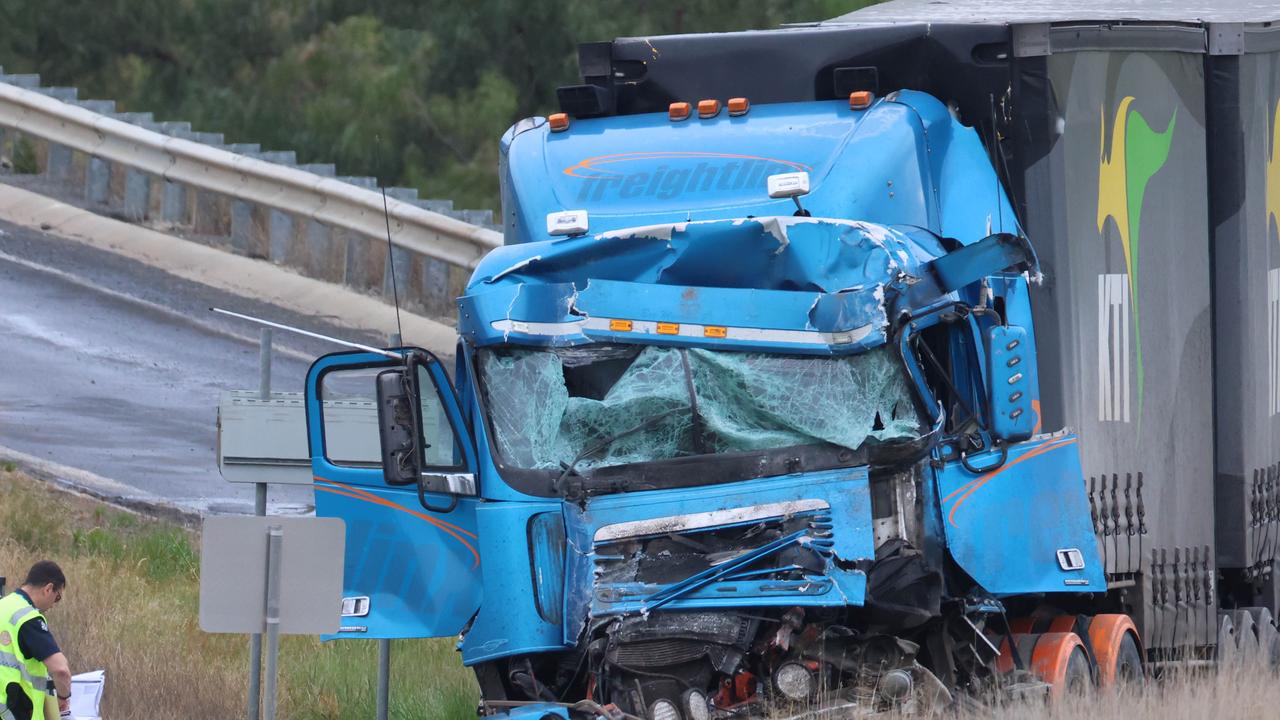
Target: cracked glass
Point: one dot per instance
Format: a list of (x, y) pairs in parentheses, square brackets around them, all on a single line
[(605, 405)]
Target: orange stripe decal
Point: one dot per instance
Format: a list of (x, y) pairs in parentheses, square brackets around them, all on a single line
[(365, 496), (975, 485)]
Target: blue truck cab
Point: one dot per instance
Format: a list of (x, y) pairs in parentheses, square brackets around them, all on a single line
[(705, 450)]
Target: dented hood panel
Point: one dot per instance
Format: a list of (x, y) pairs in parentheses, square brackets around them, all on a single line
[(808, 284), (803, 539)]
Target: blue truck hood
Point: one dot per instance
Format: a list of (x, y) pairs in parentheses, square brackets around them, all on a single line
[(796, 283)]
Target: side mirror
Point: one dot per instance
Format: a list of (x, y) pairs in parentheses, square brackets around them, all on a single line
[(397, 427), (1013, 390)]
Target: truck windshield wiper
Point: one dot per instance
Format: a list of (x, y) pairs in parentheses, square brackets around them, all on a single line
[(570, 468)]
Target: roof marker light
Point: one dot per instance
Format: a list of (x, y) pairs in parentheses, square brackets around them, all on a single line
[(678, 111), (738, 106), (559, 122), (861, 99), (708, 108), (567, 222)]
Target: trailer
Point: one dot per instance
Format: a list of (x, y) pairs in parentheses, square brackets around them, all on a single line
[(929, 351)]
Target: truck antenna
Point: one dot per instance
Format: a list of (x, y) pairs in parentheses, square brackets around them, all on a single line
[(391, 260), (308, 333)]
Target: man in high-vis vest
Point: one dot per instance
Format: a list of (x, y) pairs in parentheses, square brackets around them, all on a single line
[(29, 656)]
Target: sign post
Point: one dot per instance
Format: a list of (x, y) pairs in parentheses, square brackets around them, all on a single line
[(271, 575), (259, 509)]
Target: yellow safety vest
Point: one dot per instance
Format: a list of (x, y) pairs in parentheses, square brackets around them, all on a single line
[(29, 673)]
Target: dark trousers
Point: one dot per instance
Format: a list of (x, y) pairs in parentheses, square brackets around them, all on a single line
[(19, 703)]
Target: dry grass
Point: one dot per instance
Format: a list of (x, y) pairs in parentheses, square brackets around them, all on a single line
[(1199, 696), (131, 608)]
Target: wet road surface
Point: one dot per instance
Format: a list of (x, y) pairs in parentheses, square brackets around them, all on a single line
[(113, 367)]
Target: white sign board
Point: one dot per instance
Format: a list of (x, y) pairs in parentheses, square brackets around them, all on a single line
[(233, 574)]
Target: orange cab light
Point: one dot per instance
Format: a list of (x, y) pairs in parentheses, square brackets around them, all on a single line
[(558, 122), (861, 99), (708, 108), (715, 331), (668, 328), (738, 106), (620, 325), (678, 111)]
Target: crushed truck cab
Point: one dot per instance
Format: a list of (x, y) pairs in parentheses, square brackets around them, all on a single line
[(710, 450)]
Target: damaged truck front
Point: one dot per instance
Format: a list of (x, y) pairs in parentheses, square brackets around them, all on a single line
[(745, 419)]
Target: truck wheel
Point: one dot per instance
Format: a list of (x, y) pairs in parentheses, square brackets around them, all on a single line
[(1248, 650), (1079, 678), (1268, 637), (1114, 638), (1059, 659), (1227, 655), (1129, 664)]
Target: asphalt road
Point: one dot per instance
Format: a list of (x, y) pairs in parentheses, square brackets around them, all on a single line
[(110, 366)]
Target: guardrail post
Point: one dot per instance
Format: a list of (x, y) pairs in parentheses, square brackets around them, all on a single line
[(137, 194), (280, 231), (98, 182)]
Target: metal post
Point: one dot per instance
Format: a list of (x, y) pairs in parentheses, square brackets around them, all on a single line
[(255, 640), (259, 509), (264, 364), (384, 677), (384, 645), (275, 538)]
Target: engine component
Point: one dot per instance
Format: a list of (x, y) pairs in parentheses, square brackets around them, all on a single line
[(695, 705), (794, 681), (895, 685), (664, 709)]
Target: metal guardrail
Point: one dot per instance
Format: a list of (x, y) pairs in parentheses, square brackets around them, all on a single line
[(287, 189)]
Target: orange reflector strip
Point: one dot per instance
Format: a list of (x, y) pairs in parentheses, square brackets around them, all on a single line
[(708, 108), (666, 328), (558, 122), (678, 110), (738, 106), (620, 325), (715, 331), (861, 99)]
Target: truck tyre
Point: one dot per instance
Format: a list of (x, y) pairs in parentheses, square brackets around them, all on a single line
[(1268, 637), (1129, 664), (1079, 679), (1059, 658), (1114, 639), (1247, 647), (1227, 654)]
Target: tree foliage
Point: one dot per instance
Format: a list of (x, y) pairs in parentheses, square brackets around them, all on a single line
[(415, 92)]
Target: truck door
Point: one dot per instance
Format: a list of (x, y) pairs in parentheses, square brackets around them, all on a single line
[(412, 564), (1013, 507)]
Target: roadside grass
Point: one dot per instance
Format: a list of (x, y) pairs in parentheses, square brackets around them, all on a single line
[(132, 603), (131, 608)]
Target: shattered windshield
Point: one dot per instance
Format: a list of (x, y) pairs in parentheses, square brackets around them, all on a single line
[(605, 405)]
